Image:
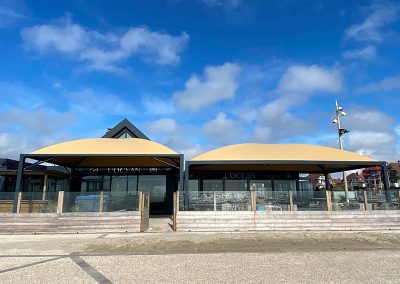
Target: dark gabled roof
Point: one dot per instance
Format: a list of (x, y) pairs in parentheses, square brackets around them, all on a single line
[(125, 126)]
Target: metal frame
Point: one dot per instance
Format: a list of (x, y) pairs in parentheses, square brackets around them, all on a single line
[(320, 164), (23, 157)]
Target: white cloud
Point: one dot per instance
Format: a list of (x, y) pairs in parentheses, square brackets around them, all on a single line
[(219, 83), (162, 47), (11, 146), (362, 118), (39, 122), (378, 145), (163, 125), (372, 133), (262, 134), (307, 80), (385, 85), (367, 52), (104, 51), (276, 119), (369, 140), (9, 16), (222, 130), (397, 129), (371, 29), (64, 36), (93, 104)]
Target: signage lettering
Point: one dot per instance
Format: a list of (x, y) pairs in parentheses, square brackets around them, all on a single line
[(240, 175), (123, 171)]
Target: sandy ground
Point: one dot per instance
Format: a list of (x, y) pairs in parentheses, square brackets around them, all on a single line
[(275, 257)]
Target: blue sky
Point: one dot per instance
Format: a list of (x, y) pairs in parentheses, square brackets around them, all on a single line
[(196, 75)]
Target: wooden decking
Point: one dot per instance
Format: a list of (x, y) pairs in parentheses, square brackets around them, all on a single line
[(27, 206), (215, 221), (69, 222)]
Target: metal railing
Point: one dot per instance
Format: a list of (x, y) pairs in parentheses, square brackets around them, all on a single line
[(289, 200), (68, 202)]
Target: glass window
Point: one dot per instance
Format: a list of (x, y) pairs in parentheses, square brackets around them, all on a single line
[(32, 184), (212, 185), (155, 184), (92, 183), (285, 185), (119, 184), (107, 183), (2, 183), (194, 185), (132, 185), (261, 186), (11, 183), (55, 185), (235, 185), (125, 135)]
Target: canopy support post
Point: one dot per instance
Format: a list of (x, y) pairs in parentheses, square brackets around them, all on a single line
[(19, 183), (386, 183), (182, 185), (186, 187)]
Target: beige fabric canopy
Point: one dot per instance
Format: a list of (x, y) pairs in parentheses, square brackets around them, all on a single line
[(279, 152), (108, 152), (280, 157), (107, 146)]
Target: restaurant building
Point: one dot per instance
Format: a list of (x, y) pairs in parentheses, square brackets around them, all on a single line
[(271, 169), (120, 164), (125, 161)]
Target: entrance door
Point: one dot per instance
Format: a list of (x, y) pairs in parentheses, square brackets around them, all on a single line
[(156, 186)]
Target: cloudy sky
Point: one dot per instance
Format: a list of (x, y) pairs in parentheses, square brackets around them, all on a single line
[(196, 75)]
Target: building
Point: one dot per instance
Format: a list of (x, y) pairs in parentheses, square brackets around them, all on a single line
[(120, 164), (394, 174), (270, 168), (318, 181), (373, 177), (125, 162), (355, 181)]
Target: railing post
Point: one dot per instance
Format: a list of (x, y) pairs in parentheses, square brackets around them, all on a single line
[(253, 197), (101, 202), (328, 200), (44, 186), (60, 201), (141, 210), (290, 200), (398, 199), (19, 202), (365, 200), (176, 209)]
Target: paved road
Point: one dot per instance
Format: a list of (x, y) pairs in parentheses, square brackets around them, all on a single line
[(80, 259)]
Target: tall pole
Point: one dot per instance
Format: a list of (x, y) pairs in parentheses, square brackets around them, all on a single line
[(346, 189)]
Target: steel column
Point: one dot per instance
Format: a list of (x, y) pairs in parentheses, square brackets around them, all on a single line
[(20, 182), (386, 183), (186, 187)]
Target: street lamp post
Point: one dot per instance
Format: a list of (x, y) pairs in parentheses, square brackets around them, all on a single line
[(341, 131)]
